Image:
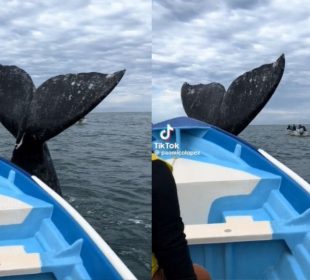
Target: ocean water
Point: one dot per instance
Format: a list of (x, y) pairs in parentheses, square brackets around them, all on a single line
[(104, 169), (293, 151)]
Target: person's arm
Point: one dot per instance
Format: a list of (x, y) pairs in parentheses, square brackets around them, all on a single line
[(168, 240)]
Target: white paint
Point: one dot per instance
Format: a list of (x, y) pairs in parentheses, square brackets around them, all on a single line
[(15, 261), (191, 171), (199, 184), (236, 229), (304, 184), (18, 145), (13, 211), (116, 262), (4, 250)]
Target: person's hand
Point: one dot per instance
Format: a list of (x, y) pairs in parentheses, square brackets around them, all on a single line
[(201, 273), (159, 275)]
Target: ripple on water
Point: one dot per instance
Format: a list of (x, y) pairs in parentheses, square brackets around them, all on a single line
[(290, 150)]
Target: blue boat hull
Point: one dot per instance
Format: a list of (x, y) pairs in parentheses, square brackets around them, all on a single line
[(49, 234), (246, 215)]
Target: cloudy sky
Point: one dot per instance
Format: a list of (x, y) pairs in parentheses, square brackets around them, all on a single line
[(48, 38), (216, 41)]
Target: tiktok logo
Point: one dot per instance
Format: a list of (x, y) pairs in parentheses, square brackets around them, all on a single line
[(166, 133)]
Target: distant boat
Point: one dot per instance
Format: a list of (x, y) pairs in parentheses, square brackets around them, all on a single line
[(43, 237), (297, 130), (82, 120), (246, 215)]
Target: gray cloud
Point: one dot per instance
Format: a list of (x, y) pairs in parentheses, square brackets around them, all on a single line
[(245, 4), (206, 43), (48, 38), (183, 10)]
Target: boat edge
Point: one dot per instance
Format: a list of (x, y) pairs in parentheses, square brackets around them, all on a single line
[(299, 180), (117, 263)]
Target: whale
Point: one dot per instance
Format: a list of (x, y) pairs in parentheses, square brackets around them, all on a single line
[(234, 109), (35, 115)]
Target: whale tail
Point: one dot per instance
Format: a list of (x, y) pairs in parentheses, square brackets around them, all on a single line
[(34, 116), (35, 158), (234, 109)]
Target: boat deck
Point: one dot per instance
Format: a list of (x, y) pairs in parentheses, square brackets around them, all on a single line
[(30, 241), (235, 207), (246, 215), (42, 237), (206, 184)]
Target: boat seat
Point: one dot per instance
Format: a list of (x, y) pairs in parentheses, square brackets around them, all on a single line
[(15, 261), (13, 211), (204, 184), (235, 229)]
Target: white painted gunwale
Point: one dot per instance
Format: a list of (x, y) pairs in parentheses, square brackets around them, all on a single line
[(116, 262), (303, 183)]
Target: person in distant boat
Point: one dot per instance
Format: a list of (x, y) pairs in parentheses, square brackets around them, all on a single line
[(171, 259), (300, 129)]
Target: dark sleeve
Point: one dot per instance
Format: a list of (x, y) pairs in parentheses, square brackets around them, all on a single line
[(168, 239)]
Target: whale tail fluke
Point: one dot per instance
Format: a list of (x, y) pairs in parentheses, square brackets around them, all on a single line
[(234, 109), (63, 100), (16, 90), (34, 116)]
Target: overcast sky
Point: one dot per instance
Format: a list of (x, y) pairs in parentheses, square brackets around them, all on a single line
[(216, 41), (48, 38)]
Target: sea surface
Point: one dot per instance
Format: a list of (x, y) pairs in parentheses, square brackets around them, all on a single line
[(104, 169), (293, 151)]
